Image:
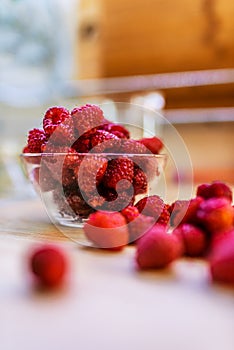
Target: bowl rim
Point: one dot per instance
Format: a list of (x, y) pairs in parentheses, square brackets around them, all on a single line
[(161, 155)]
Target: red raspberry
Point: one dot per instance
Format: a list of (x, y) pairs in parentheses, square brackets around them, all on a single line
[(130, 213), (86, 118), (43, 178), (222, 259), (36, 139), (185, 211), (215, 189), (157, 249), (216, 215), (132, 147), (90, 173), (58, 125), (102, 141), (116, 129), (139, 181), (115, 201), (139, 226), (107, 230), (151, 206), (193, 239), (119, 173), (164, 216), (153, 144), (49, 265)]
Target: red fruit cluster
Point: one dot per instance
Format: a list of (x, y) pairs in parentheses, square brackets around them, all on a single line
[(82, 184)]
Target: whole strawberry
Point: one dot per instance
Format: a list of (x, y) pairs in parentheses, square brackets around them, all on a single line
[(157, 248), (215, 189), (193, 239), (222, 259), (49, 265), (216, 215), (107, 230)]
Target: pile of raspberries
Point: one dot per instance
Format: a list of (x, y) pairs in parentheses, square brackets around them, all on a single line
[(76, 164)]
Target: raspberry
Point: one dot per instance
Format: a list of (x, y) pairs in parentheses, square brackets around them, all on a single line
[(185, 211), (116, 129), (90, 173), (193, 239), (130, 213), (86, 118), (36, 139), (164, 216), (115, 201), (215, 189), (132, 147), (151, 206), (157, 249), (77, 205), (216, 215), (222, 259), (119, 169), (139, 226), (43, 177), (102, 141), (139, 181), (107, 230), (49, 265), (58, 125), (153, 144)]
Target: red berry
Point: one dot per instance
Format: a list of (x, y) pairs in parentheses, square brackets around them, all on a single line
[(86, 118), (157, 248), (132, 147), (116, 129), (102, 141), (222, 259), (119, 173), (193, 239), (153, 144), (49, 265), (115, 201), (130, 213), (139, 181), (155, 207), (215, 189), (185, 211), (36, 139), (216, 215), (107, 230), (139, 226), (58, 125)]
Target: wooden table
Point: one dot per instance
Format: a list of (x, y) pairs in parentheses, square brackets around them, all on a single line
[(106, 303)]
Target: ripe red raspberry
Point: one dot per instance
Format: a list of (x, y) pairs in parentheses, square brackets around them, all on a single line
[(139, 226), (130, 213), (116, 129), (222, 259), (43, 178), (151, 206), (157, 248), (153, 144), (119, 173), (115, 201), (215, 189), (185, 211), (86, 118), (140, 183), (90, 173), (132, 147), (194, 239), (216, 215), (36, 139), (49, 265), (102, 141), (58, 125), (107, 230)]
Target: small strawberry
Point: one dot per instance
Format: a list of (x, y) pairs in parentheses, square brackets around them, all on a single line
[(49, 265), (58, 125), (216, 215), (86, 118), (222, 259), (157, 248), (140, 183), (107, 230), (215, 189), (119, 172), (153, 144), (193, 239)]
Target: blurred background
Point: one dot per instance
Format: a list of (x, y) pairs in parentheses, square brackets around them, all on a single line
[(175, 56)]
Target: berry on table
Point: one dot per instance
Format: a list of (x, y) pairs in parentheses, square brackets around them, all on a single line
[(215, 189)]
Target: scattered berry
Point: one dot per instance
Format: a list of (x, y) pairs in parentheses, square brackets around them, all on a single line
[(49, 266), (193, 239), (157, 248), (130, 213), (139, 226), (155, 207), (107, 230), (185, 211), (215, 189)]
